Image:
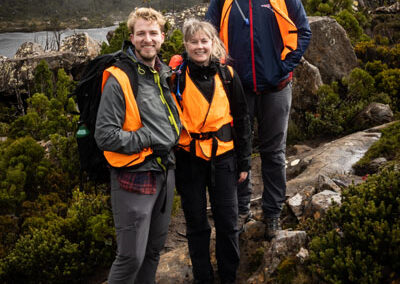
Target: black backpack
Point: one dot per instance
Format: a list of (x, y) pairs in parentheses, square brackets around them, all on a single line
[(93, 165)]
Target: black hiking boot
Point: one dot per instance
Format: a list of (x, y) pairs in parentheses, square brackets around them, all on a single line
[(272, 226)]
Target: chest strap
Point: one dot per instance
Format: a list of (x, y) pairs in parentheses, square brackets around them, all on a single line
[(224, 134)]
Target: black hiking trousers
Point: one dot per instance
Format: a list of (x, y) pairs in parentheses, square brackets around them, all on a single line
[(192, 180)]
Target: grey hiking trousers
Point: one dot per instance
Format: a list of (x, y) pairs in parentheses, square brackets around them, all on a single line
[(272, 113), (141, 230)]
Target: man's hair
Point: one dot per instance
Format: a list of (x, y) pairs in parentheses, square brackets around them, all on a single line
[(192, 26), (147, 14)]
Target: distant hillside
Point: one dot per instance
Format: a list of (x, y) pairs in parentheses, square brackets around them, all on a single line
[(31, 15)]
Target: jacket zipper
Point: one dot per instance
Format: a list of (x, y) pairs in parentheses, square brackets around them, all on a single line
[(171, 117), (253, 64)]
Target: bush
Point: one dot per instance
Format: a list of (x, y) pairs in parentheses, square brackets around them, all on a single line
[(358, 242), (388, 146), (350, 23), (62, 249)]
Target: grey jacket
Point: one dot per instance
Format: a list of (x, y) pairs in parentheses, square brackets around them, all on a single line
[(160, 119)]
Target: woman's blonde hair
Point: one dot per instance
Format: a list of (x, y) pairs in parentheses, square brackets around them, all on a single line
[(147, 14), (192, 26)]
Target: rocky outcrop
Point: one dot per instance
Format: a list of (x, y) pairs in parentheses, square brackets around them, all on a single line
[(81, 45), (29, 49), (392, 9), (16, 75), (333, 158), (330, 49)]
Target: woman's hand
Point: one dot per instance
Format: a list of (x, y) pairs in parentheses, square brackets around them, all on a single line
[(242, 176)]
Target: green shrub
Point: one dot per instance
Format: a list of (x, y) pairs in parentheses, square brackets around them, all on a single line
[(350, 23), (173, 45), (9, 230), (326, 7), (61, 249), (43, 79), (120, 34), (327, 119), (388, 146), (388, 81), (358, 242)]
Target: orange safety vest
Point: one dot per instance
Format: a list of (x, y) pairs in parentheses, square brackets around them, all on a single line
[(199, 117), (132, 120), (287, 28)]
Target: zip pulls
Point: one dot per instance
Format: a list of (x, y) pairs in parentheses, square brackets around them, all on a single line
[(164, 101), (246, 20)]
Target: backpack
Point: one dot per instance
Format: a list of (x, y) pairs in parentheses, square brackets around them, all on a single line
[(93, 165)]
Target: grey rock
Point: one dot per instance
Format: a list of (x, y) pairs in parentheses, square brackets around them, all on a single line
[(82, 45), (302, 255), (175, 267), (16, 75), (29, 49), (333, 158), (306, 81), (322, 201), (372, 115), (301, 200), (330, 49), (375, 164), (392, 9), (286, 243), (325, 183)]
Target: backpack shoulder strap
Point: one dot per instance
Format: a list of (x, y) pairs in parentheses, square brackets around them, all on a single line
[(124, 63), (226, 75)]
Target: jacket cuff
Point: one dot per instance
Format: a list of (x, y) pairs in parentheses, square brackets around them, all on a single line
[(145, 137), (244, 165)]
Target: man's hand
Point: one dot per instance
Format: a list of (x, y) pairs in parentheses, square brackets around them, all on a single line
[(243, 176)]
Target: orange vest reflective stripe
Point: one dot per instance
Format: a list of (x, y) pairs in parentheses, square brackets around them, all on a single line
[(287, 28), (198, 116), (132, 120)]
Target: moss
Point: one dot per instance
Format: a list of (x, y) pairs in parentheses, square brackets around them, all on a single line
[(388, 146)]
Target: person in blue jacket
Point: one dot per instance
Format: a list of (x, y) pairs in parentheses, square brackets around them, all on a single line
[(266, 40)]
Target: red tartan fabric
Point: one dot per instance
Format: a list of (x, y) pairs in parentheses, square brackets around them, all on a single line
[(138, 182)]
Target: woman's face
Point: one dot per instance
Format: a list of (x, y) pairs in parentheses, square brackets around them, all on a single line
[(199, 48)]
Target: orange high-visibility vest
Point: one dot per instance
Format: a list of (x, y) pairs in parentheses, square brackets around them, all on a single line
[(199, 116), (132, 121), (287, 28)]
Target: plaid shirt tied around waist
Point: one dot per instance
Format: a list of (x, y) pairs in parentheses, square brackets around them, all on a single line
[(138, 182)]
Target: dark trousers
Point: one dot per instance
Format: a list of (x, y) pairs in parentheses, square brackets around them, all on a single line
[(272, 113), (192, 179)]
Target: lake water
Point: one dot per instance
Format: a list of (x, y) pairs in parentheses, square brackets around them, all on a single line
[(10, 42)]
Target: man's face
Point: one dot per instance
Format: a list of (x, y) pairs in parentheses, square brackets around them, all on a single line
[(147, 39)]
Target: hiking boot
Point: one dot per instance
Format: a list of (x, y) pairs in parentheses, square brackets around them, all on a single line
[(272, 226), (243, 219)]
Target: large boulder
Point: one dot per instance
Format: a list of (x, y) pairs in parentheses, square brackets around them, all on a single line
[(372, 115), (82, 45), (29, 49), (16, 75), (330, 49)]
